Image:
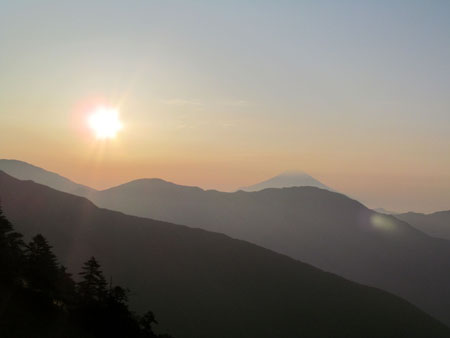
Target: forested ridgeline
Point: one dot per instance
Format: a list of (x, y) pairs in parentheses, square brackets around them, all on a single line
[(39, 298)]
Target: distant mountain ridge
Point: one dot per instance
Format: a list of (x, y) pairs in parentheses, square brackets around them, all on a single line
[(287, 179), (384, 211), (204, 284), (436, 224), (26, 171)]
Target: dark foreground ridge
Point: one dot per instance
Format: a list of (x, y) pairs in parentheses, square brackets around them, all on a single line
[(39, 298)]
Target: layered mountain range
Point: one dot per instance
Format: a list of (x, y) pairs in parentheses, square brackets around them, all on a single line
[(204, 284), (317, 226)]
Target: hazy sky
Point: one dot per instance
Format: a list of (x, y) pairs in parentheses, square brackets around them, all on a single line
[(222, 94)]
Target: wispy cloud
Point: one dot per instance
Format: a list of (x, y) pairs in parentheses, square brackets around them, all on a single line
[(236, 103), (182, 102)]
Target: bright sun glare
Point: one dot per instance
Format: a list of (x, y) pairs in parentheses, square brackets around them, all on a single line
[(105, 122)]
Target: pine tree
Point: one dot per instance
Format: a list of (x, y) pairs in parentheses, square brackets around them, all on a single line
[(146, 322), (118, 294), (10, 250), (92, 287), (42, 270)]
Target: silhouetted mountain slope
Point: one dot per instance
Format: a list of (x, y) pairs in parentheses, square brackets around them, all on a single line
[(286, 180), (323, 228), (26, 171), (204, 284), (39, 299), (436, 224), (29, 316)]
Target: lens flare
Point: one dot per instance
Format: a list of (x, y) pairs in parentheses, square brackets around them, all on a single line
[(105, 122), (382, 222)]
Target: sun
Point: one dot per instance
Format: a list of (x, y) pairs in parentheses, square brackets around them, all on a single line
[(105, 122)]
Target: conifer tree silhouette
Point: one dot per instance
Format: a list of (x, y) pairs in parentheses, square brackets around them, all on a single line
[(11, 245), (38, 297), (92, 287), (42, 270), (146, 322)]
